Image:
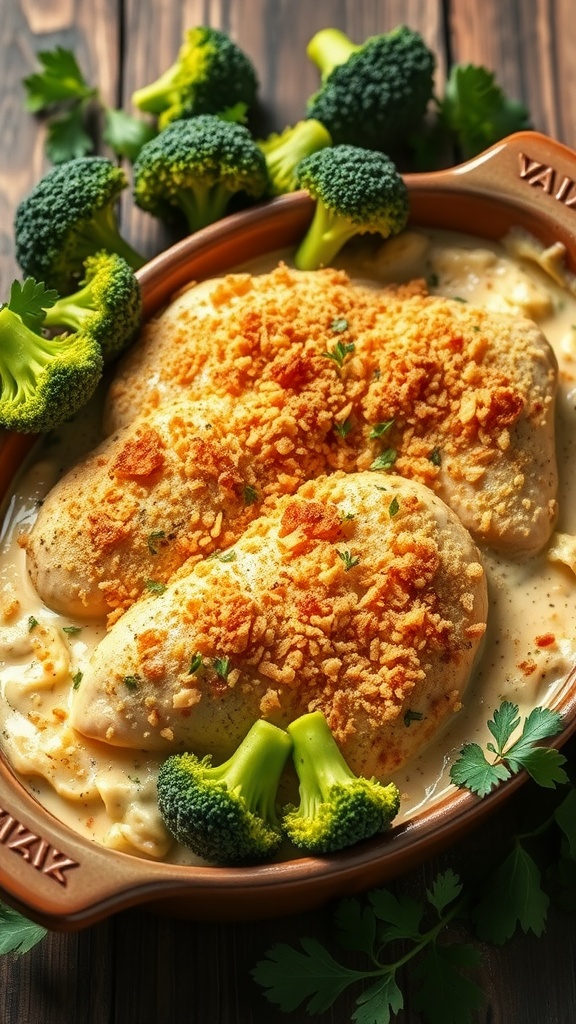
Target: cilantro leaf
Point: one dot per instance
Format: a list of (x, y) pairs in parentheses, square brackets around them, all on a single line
[(445, 888), (511, 895), (377, 1002), (66, 137), (446, 996), (60, 81), (291, 976), (355, 926), (472, 771), (402, 915), (126, 134), (476, 111), (17, 933), (30, 300)]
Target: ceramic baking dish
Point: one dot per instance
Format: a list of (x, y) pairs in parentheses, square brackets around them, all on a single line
[(57, 877)]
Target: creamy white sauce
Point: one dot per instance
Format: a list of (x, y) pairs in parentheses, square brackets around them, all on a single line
[(108, 794)]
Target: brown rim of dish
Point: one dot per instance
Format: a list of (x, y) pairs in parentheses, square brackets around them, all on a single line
[(57, 877)]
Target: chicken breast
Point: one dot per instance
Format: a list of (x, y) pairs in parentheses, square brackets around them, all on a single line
[(362, 597), (469, 389), (395, 381)]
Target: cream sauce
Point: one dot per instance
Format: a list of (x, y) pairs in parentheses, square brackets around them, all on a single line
[(108, 794)]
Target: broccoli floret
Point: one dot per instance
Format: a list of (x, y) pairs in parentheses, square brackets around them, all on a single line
[(194, 167), (108, 305), (337, 808), (374, 94), (43, 381), (68, 216), (211, 75), (227, 813), (356, 191), (284, 152)]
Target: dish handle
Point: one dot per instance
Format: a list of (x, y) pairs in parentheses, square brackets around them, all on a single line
[(527, 179), (56, 877)]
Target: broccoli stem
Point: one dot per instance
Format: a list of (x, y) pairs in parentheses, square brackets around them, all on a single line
[(327, 233), (329, 48), (204, 204), (21, 355), (318, 761), (71, 310), (101, 232), (254, 769), (153, 98)]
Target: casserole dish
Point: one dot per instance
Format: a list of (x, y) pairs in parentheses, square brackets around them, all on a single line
[(63, 880)]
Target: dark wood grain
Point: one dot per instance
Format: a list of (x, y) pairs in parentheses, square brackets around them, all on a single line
[(138, 968)]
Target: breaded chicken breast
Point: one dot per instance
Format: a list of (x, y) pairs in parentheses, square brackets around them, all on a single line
[(362, 597), (469, 390), (393, 381)]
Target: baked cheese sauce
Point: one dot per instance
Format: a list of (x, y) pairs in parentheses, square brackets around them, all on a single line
[(108, 794)]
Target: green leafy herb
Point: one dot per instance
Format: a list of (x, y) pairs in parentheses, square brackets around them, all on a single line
[(77, 679), (385, 460), (32, 623), (250, 494), (393, 508), (381, 428), (195, 664), (349, 559), (155, 586), (339, 352), (343, 429), (476, 112), (132, 682), (474, 771), (31, 300), (60, 93), (435, 457), (339, 324), (17, 934), (222, 667), (227, 556), (156, 535), (511, 895), (412, 716), (72, 630), (372, 927)]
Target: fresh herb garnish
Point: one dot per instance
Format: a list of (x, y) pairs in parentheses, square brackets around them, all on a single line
[(195, 663), (32, 623), (339, 352), (381, 428), (393, 508), (18, 935), (343, 429), (72, 630), (156, 535), (474, 771), (412, 716), (155, 586), (132, 682), (435, 457), (339, 324), (250, 494), (349, 560), (222, 667), (77, 679), (227, 556), (385, 460)]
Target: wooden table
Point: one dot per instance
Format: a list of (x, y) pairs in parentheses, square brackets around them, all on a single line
[(137, 968)]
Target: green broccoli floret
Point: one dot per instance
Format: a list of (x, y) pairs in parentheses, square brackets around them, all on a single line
[(373, 94), (70, 215), (227, 813), (108, 305), (194, 167), (211, 75), (43, 381), (337, 808), (285, 150), (356, 191)]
